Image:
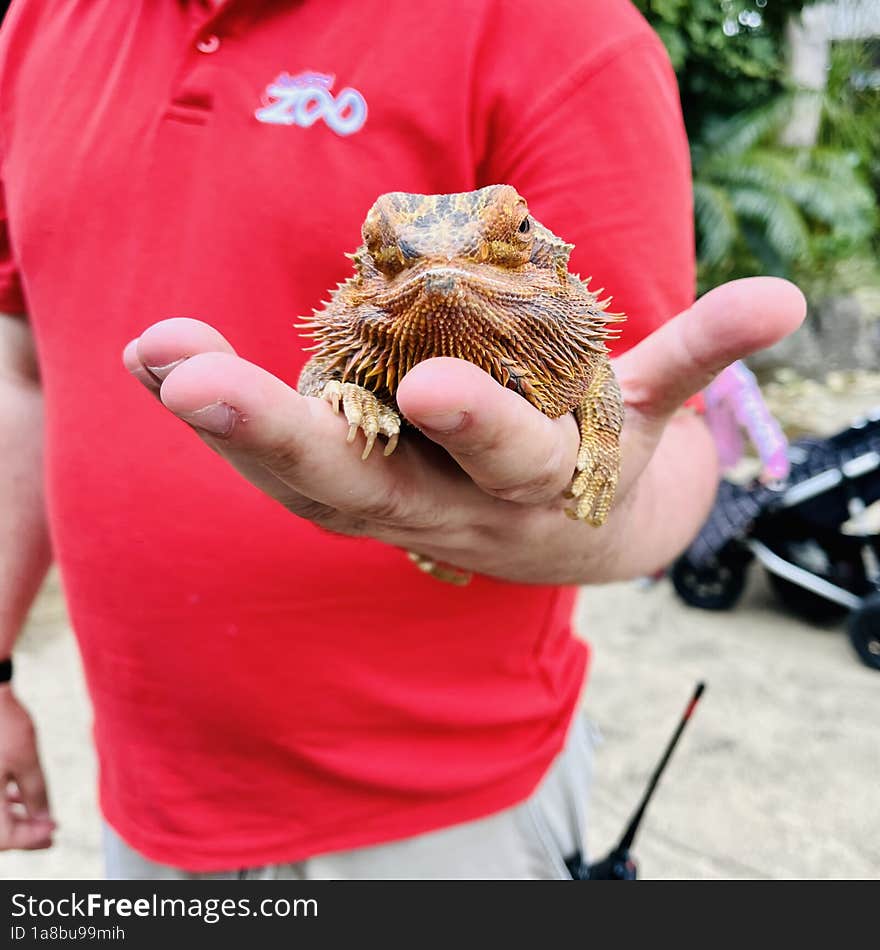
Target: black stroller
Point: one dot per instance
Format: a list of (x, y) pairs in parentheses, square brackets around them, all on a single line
[(811, 533)]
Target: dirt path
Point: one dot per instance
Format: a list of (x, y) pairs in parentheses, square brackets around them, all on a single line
[(779, 775)]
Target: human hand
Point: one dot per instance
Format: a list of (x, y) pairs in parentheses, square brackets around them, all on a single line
[(25, 821), (484, 490)]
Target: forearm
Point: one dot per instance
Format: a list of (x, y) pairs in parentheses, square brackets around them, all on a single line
[(24, 542)]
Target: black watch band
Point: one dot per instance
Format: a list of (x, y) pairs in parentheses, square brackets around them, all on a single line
[(5, 670)]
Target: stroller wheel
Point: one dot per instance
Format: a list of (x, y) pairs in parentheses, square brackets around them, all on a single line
[(864, 630), (824, 560), (715, 587), (804, 602)]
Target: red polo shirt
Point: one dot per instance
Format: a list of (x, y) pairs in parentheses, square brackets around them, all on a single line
[(265, 691)]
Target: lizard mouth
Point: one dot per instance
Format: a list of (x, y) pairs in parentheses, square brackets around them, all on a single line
[(449, 284)]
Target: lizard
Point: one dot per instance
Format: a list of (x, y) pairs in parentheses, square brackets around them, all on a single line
[(474, 276)]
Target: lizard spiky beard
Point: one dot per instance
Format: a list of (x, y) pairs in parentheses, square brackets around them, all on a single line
[(460, 275)]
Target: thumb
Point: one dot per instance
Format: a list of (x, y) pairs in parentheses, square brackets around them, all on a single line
[(685, 354)]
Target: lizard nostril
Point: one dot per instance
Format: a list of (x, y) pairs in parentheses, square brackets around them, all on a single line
[(439, 285)]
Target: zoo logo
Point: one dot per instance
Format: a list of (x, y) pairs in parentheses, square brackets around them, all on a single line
[(303, 99)]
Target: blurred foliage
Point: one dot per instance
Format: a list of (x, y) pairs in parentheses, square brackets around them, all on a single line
[(851, 113), (851, 124), (728, 54), (765, 209), (760, 207)]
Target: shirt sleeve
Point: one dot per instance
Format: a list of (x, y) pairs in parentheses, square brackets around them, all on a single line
[(11, 295), (596, 144), (11, 291)]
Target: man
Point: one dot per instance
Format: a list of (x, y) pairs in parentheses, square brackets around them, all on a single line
[(280, 692)]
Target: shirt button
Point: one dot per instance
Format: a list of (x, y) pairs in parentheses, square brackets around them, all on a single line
[(210, 44)]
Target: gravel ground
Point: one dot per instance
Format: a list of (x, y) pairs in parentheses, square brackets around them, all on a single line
[(778, 775)]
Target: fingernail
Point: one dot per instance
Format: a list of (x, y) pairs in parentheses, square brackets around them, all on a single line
[(218, 419), (160, 372), (443, 422)]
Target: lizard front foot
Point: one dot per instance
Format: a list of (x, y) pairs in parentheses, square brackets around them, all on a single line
[(595, 482), (600, 419), (364, 411)]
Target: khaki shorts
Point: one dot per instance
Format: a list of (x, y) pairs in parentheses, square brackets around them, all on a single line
[(530, 841)]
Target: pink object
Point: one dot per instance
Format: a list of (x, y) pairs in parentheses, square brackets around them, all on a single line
[(734, 405)]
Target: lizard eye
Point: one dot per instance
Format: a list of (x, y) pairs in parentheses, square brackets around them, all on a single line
[(525, 226)]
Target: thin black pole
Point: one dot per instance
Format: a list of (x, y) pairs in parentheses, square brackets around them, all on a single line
[(630, 833)]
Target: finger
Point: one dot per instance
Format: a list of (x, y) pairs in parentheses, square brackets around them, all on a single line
[(151, 356), (505, 444), (659, 374), (31, 785), (35, 841), (164, 345), (23, 833), (259, 424), (131, 362), (685, 354)]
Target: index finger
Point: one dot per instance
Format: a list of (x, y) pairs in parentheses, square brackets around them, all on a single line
[(257, 422)]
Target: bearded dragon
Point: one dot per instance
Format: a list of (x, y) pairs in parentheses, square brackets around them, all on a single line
[(476, 277)]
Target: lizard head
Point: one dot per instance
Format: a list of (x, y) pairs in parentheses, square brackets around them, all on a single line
[(470, 275), (418, 234)]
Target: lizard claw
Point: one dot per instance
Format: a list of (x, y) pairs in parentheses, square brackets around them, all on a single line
[(594, 483), (333, 393), (364, 411), (371, 441)]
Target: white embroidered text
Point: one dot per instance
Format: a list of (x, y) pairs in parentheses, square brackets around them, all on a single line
[(303, 99)]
